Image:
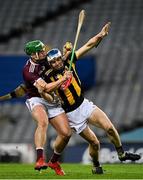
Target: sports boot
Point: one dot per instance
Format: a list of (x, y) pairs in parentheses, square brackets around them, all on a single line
[(129, 156), (97, 170), (41, 164), (56, 167)]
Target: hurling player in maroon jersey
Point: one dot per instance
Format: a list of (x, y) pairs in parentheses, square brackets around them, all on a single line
[(44, 111)]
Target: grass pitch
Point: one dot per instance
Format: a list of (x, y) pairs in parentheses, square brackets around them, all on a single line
[(73, 171)]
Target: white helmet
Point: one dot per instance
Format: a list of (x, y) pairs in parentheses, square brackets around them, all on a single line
[(53, 53)]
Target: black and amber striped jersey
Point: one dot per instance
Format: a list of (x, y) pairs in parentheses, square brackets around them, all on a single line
[(72, 97)]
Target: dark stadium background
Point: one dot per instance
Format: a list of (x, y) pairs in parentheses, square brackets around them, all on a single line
[(112, 74)]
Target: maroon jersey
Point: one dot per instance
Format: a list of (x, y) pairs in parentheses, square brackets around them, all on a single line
[(31, 72)]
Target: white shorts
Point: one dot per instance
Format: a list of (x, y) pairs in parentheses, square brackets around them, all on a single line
[(78, 119), (52, 109)]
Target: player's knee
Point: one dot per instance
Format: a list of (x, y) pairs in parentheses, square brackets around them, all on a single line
[(43, 124), (66, 134)]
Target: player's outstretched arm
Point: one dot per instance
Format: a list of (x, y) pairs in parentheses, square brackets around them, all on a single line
[(5, 97), (19, 91), (94, 41)]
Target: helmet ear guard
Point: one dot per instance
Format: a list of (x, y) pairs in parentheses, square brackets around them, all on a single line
[(34, 47)]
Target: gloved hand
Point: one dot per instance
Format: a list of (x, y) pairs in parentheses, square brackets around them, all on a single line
[(68, 75)]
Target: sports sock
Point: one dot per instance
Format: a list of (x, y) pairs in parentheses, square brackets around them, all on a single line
[(95, 162), (120, 151), (55, 157), (39, 153)]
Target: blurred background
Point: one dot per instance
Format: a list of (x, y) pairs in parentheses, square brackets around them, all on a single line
[(112, 74)]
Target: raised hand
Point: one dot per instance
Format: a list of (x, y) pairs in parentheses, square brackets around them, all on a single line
[(105, 29), (67, 49)]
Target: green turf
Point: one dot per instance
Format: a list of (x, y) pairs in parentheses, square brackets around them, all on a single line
[(73, 171)]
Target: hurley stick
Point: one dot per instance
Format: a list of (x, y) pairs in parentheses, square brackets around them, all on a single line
[(80, 22)]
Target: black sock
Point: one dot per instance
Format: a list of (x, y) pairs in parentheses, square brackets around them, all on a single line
[(120, 150), (96, 163), (39, 153), (55, 157)]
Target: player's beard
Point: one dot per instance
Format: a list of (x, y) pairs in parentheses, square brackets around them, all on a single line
[(60, 70)]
